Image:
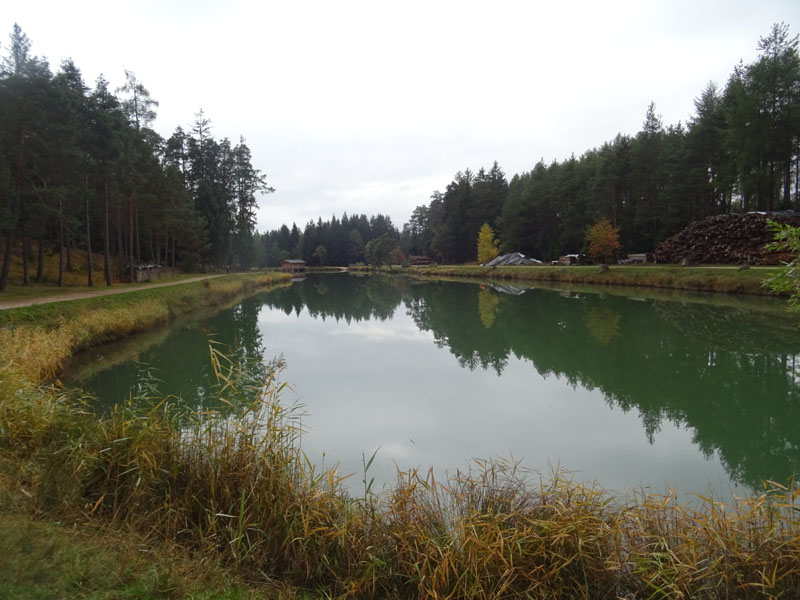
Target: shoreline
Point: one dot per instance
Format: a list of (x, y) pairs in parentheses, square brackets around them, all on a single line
[(712, 278)]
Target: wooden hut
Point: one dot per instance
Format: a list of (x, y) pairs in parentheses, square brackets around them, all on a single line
[(293, 265)]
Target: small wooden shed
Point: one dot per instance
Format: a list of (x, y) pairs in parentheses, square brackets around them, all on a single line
[(293, 265)]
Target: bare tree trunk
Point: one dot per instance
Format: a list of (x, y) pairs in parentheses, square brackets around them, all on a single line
[(130, 237), (138, 246), (89, 265), (69, 237), (14, 211), (25, 278), (120, 244), (106, 232), (60, 243), (40, 260)]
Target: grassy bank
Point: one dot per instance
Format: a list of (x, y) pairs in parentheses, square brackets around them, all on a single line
[(46, 560), (699, 279), (239, 494), (38, 339)]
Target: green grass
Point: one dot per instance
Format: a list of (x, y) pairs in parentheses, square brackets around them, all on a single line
[(48, 559), (728, 280), (32, 291)]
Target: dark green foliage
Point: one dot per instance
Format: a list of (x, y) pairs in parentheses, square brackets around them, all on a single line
[(379, 251), (82, 169), (740, 152), (338, 242)]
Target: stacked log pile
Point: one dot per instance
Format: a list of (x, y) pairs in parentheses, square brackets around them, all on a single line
[(725, 239)]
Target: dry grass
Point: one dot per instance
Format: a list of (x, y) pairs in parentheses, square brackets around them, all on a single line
[(237, 490), (38, 339)]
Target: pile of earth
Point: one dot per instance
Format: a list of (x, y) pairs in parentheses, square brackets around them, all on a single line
[(727, 239)]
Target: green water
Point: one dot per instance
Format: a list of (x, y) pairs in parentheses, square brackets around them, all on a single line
[(694, 393)]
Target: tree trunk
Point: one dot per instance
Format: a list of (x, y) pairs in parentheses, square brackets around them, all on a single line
[(60, 244), (7, 258), (14, 210), (89, 265), (25, 278), (130, 238), (69, 236), (40, 260), (136, 222), (106, 248), (120, 244)]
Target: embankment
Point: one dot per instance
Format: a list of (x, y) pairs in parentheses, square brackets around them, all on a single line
[(729, 280), (36, 340)]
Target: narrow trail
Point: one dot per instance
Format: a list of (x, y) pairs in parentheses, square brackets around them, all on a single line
[(96, 293)]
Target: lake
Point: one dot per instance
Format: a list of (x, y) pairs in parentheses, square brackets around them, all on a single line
[(633, 389)]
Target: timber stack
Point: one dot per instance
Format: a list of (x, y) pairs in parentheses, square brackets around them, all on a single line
[(726, 239)]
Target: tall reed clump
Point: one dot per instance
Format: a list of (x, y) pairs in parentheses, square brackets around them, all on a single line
[(236, 486)]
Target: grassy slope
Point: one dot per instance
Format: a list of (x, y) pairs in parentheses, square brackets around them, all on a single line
[(704, 279), (38, 339)]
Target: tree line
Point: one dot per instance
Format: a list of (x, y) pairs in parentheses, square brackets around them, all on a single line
[(739, 152), (81, 168), (338, 241)]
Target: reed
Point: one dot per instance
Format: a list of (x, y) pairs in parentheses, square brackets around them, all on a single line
[(235, 489)]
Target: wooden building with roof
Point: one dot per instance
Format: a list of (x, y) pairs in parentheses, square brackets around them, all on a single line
[(293, 265)]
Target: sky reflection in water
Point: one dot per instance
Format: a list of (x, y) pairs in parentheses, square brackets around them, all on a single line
[(654, 393)]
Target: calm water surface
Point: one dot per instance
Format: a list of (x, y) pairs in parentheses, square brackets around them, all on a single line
[(693, 394)]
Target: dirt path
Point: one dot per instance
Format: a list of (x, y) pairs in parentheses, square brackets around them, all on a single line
[(96, 293)]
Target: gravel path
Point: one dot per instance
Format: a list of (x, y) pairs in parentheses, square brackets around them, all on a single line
[(96, 293)]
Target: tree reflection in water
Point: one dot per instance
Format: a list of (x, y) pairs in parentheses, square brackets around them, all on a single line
[(729, 374)]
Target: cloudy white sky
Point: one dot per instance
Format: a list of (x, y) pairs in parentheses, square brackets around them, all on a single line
[(367, 107)]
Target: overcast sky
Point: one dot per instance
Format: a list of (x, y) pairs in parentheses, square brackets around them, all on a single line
[(368, 107)]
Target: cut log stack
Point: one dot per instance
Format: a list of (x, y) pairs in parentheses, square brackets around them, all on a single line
[(726, 239)]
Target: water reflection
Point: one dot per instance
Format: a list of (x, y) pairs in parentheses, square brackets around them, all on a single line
[(176, 360), (728, 374)]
